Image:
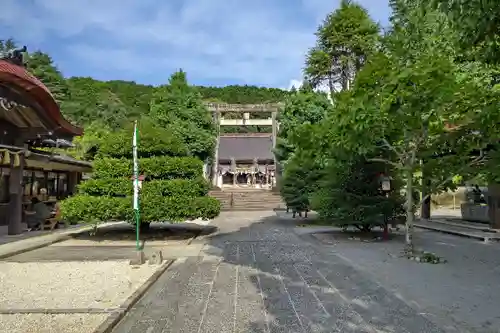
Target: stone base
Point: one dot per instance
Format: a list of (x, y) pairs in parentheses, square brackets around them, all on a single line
[(475, 212), (139, 259), (156, 258)]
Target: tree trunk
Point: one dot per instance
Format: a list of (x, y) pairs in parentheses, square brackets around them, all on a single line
[(409, 211), (425, 209)]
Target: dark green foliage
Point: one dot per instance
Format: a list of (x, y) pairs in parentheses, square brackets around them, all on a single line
[(243, 94), (299, 181), (153, 208), (160, 167), (295, 150), (174, 191), (115, 187), (178, 209), (180, 108), (92, 209), (349, 193), (344, 40), (154, 141)]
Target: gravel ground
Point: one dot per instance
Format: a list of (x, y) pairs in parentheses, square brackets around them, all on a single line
[(463, 291), (69, 285), (60, 323)]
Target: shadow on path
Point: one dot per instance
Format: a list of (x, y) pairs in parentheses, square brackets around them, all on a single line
[(256, 275)]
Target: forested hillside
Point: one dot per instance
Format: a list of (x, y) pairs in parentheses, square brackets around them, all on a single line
[(85, 101)]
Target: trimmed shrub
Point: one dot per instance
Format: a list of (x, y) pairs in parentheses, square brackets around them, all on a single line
[(154, 208), (86, 208), (154, 141), (161, 167), (120, 187)]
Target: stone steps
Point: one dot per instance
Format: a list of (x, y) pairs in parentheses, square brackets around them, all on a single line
[(247, 199)]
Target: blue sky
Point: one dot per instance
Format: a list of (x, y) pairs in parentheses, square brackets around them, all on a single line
[(217, 42)]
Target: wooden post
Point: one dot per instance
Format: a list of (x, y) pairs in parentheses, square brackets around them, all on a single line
[(16, 190), (233, 170), (72, 182), (274, 138)]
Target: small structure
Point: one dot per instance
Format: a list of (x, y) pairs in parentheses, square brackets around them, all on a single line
[(30, 119), (246, 161)]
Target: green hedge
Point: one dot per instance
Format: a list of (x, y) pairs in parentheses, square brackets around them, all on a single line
[(161, 167), (86, 208), (153, 141), (197, 187)]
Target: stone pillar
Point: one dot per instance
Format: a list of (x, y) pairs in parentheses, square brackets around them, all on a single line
[(16, 190), (215, 162), (233, 170), (277, 170)]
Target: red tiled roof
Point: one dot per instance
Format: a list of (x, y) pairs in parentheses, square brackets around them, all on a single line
[(36, 90)]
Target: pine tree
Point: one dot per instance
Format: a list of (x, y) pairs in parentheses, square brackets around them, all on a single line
[(344, 40)]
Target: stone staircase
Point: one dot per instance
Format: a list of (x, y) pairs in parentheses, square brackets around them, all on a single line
[(247, 199)]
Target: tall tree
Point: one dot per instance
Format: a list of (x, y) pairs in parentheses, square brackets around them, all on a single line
[(344, 40), (180, 107)]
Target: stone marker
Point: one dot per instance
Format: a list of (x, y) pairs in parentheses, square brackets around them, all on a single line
[(156, 258), (140, 258)]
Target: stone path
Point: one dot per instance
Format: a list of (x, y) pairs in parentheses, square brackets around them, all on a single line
[(257, 275)]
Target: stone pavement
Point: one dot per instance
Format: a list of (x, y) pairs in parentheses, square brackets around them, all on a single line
[(257, 275)]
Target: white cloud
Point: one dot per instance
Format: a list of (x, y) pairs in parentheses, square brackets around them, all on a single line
[(257, 42)]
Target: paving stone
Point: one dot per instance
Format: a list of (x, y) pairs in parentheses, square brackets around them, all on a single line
[(256, 275)]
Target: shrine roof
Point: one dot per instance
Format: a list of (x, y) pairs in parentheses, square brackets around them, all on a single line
[(36, 91), (245, 147)]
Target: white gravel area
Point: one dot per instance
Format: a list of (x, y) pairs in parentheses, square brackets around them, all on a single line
[(69, 285), (43, 323)]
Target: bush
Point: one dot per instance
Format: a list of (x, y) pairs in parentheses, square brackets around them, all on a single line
[(299, 181), (350, 194), (154, 208), (120, 187), (153, 141), (178, 209), (161, 167), (86, 208)]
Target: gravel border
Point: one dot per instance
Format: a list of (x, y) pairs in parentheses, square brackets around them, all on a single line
[(44, 240)]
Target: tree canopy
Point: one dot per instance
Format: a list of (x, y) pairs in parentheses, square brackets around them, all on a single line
[(418, 105), (344, 40)]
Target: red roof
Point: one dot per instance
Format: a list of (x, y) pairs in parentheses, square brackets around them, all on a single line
[(37, 91)]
